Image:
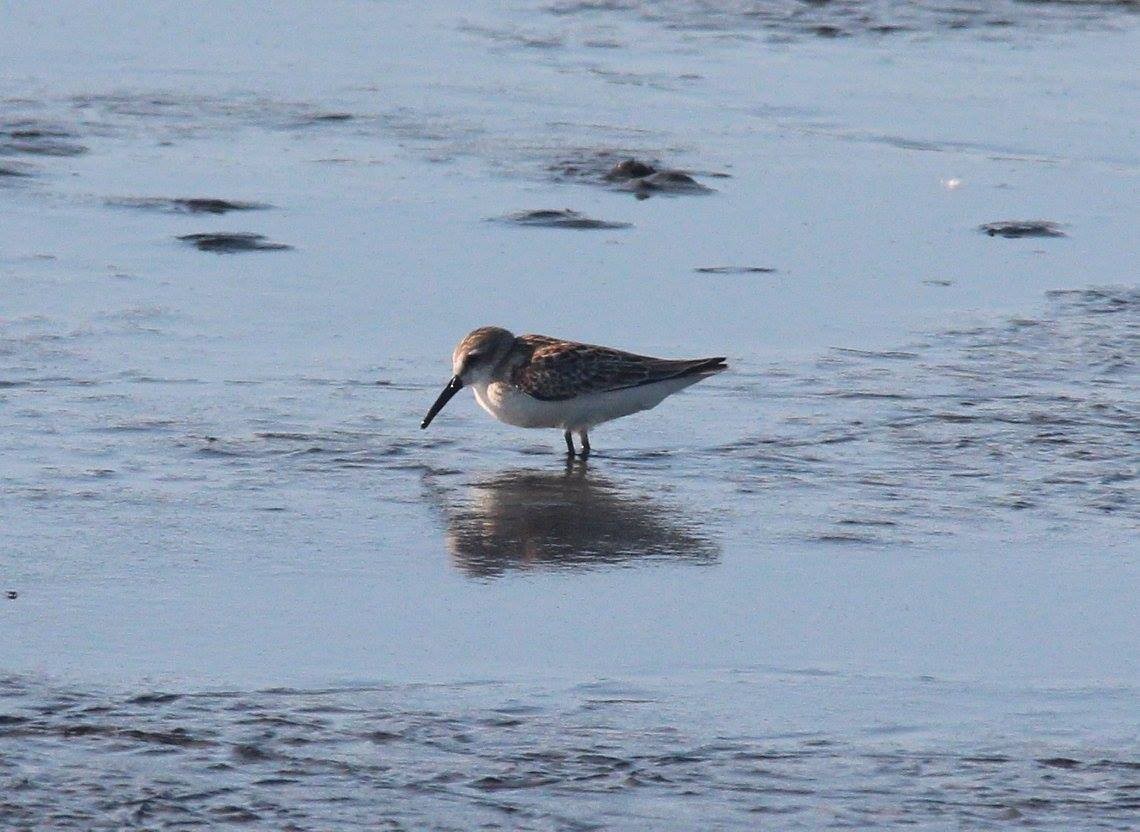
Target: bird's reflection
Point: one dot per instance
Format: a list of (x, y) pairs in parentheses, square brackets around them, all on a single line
[(573, 520)]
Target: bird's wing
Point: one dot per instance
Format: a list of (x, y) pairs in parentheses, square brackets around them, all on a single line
[(560, 370)]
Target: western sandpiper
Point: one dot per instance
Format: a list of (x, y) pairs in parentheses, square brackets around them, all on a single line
[(533, 381)]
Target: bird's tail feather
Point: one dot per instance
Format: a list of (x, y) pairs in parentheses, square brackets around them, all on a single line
[(704, 366)]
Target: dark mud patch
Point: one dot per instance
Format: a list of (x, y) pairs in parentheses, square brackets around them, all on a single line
[(1022, 228), (600, 166), (326, 118), (1097, 301), (735, 270), (48, 147), (564, 218), (187, 205), (7, 171), (36, 138), (629, 169), (664, 182), (232, 242), (627, 172), (797, 20)]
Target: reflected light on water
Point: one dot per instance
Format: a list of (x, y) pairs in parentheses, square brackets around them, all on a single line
[(526, 519)]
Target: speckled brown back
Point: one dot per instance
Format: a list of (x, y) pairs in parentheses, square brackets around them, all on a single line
[(558, 370)]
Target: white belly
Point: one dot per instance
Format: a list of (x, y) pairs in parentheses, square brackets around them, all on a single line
[(509, 404)]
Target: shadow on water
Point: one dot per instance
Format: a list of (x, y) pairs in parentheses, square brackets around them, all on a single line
[(525, 519)]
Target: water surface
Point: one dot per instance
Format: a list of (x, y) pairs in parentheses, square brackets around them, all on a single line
[(881, 572)]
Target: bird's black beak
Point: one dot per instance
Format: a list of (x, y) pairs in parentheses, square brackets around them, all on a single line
[(450, 390)]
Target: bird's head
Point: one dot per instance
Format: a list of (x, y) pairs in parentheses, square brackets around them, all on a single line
[(473, 362)]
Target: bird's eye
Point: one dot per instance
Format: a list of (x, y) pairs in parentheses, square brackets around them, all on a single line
[(474, 355)]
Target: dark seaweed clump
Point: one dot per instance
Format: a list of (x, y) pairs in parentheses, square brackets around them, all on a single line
[(1022, 228), (629, 169), (188, 205), (599, 166), (564, 218), (734, 270), (644, 179), (665, 181), (36, 138), (232, 242)]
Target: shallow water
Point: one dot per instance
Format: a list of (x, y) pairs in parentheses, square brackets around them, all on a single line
[(881, 572), (592, 755)]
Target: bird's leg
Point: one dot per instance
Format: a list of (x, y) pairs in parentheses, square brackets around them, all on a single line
[(585, 444), (569, 443)]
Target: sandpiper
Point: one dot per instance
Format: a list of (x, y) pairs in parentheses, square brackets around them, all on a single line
[(533, 381)]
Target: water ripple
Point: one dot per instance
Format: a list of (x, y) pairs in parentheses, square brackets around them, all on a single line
[(1035, 414), (428, 756)]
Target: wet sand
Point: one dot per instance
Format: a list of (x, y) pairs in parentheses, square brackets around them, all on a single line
[(881, 572)]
